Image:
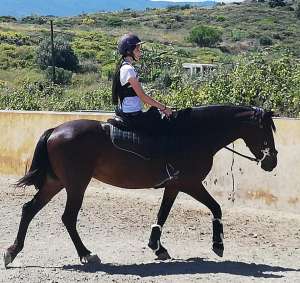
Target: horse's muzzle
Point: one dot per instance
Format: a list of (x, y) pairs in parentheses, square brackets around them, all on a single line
[(269, 163)]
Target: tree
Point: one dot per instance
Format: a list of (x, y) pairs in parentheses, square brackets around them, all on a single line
[(64, 56), (277, 3), (297, 10), (205, 36)]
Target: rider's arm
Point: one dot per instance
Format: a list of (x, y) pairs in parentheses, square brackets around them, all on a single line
[(135, 84)]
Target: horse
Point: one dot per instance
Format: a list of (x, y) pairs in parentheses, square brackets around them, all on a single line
[(69, 155)]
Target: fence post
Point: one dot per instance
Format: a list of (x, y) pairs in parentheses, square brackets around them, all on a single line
[(52, 52)]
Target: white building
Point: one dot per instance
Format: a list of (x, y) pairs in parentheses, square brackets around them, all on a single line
[(198, 69)]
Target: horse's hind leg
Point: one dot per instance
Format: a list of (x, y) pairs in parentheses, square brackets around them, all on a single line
[(202, 195), (29, 210), (169, 197)]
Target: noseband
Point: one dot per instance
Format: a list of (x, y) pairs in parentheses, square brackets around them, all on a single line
[(255, 114), (266, 152)]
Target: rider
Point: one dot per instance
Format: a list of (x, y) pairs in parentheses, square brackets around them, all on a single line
[(128, 93)]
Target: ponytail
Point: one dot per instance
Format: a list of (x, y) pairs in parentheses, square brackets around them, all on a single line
[(116, 83)]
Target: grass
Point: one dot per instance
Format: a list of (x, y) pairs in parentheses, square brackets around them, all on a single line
[(14, 78)]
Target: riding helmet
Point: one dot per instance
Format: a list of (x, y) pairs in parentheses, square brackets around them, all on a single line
[(128, 43)]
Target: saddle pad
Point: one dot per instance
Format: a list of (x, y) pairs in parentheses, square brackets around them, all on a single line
[(142, 145)]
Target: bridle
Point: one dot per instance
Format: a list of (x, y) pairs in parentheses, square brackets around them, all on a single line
[(266, 152), (256, 115)]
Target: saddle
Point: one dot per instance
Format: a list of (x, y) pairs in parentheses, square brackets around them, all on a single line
[(143, 145), (160, 144)]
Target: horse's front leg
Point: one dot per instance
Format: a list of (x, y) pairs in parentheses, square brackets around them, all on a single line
[(202, 195), (169, 197)]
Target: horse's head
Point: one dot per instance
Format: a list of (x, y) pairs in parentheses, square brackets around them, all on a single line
[(259, 137)]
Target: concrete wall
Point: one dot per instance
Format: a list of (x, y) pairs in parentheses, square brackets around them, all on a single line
[(20, 131), (248, 184), (279, 189)]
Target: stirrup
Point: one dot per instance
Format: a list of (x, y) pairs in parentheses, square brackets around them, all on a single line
[(172, 174)]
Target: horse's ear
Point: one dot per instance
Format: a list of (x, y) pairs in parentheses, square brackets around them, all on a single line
[(244, 114), (269, 114)]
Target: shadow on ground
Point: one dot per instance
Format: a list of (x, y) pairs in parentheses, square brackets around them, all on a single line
[(190, 266)]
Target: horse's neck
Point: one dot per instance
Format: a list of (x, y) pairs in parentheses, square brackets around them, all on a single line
[(226, 136)]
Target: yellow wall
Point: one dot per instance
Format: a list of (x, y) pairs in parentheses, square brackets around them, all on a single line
[(279, 189), (20, 131)]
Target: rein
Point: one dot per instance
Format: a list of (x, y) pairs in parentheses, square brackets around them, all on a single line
[(245, 156)]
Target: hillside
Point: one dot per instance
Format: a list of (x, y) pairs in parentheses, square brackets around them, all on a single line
[(242, 25), (247, 29), (19, 8)]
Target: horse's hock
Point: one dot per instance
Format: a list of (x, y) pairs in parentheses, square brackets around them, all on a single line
[(233, 179)]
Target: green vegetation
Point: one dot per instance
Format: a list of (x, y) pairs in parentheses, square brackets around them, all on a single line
[(205, 36), (297, 10), (256, 48), (64, 56)]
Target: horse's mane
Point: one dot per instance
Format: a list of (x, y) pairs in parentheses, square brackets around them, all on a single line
[(212, 116), (209, 115)]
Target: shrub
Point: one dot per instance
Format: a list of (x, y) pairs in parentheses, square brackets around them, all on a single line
[(238, 35), (221, 19), (271, 84), (114, 22), (297, 10), (108, 71), (265, 40), (62, 76), (31, 96), (16, 38), (7, 19), (178, 18), (12, 56), (41, 96), (277, 3), (205, 36), (34, 20), (256, 81), (88, 67), (64, 56), (88, 21)]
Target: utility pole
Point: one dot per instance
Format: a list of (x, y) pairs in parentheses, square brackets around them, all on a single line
[(52, 52)]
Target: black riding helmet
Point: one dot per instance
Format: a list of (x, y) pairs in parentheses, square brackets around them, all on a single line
[(128, 43)]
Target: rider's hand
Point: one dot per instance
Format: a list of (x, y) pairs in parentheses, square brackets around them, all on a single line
[(167, 111)]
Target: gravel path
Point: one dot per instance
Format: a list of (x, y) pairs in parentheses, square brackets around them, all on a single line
[(260, 245)]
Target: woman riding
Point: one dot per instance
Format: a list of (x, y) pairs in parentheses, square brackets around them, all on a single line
[(128, 93)]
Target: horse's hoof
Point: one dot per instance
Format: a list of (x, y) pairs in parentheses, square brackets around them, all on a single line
[(163, 256), (7, 258), (90, 259), (93, 259), (218, 249)]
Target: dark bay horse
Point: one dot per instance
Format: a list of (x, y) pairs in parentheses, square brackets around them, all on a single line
[(69, 155)]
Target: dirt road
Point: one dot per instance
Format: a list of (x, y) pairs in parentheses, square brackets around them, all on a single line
[(260, 245)]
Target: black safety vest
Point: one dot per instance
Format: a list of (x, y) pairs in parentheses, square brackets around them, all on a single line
[(125, 90)]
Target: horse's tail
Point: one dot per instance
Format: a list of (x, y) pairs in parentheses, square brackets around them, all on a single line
[(40, 164)]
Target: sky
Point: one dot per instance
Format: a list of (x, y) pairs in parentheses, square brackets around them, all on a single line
[(199, 0), (180, 0)]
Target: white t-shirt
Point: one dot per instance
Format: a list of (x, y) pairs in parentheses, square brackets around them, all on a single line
[(130, 104)]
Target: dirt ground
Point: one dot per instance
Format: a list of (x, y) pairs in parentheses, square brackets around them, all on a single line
[(260, 245)]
